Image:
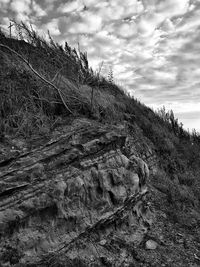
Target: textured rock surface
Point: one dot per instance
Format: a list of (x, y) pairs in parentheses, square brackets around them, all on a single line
[(76, 199)]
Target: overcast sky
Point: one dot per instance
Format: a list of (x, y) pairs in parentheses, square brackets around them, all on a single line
[(153, 46)]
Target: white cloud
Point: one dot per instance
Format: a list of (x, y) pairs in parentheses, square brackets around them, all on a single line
[(164, 75), (4, 4), (127, 29), (123, 76), (178, 107), (112, 13), (171, 8), (190, 21), (22, 9), (168, 26), (90, 2), (4, 22), (122, 29), (21, 6), (71, 7), (82, 23), (90, 22), (53, 28), (149, 22), (38, 10), (153, 45)]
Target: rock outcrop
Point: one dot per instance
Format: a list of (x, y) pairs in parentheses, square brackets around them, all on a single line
[(76, 200)]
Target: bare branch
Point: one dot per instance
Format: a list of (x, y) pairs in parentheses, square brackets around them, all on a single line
[(38, 75)]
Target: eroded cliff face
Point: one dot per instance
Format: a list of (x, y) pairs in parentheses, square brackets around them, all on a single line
[(77, 200)]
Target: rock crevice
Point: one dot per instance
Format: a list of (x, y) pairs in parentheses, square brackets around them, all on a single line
[(76, 190)]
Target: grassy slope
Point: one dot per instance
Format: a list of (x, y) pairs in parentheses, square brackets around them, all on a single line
[(29, 106)]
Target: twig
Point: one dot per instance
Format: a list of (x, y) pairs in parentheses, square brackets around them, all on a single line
[(56, 75), (58, 72), (37, 74)]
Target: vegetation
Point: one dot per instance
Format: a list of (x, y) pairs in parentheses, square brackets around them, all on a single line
[(43, 84), (65, 84)]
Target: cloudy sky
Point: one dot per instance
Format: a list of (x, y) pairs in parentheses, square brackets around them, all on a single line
[(153, 46)]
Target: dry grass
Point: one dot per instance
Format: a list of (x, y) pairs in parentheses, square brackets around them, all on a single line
[(70, 88), (43, 81)]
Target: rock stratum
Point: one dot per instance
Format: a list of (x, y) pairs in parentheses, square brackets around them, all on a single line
[(76, 199)]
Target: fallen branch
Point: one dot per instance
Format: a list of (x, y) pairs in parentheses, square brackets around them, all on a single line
[(38, 75)]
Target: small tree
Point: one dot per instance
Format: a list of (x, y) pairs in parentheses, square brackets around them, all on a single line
[(110, 75)]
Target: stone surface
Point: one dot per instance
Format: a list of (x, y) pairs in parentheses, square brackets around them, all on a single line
[(151, 244), (76, 198)]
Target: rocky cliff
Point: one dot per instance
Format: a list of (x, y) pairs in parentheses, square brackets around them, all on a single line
[(89, 176), (76, 199)]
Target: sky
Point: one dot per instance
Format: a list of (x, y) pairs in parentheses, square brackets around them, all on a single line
[(152, 46)]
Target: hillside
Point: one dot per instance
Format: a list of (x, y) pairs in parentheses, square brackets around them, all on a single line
[(74, 151)]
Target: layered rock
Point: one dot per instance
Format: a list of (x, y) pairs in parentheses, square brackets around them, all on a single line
[(137, 144), (76, 199)]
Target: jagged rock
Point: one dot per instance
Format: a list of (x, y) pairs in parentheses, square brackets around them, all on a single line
[(138, 145), (141, 168), (75, 198)]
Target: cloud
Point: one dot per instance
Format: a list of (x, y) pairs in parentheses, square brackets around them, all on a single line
[(4, 22), (74, 6), (125, 29), (167, 7), (80, 23), (158, 12), (148, 22), (190, 119), (153, 46), (21, 6), (52, 27), (26, 10), (172, 7), (39, 12), (4, 4), (167, 26), (90, 2), (114, 11)]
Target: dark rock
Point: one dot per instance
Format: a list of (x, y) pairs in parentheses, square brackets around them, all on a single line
[(72, 198)]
